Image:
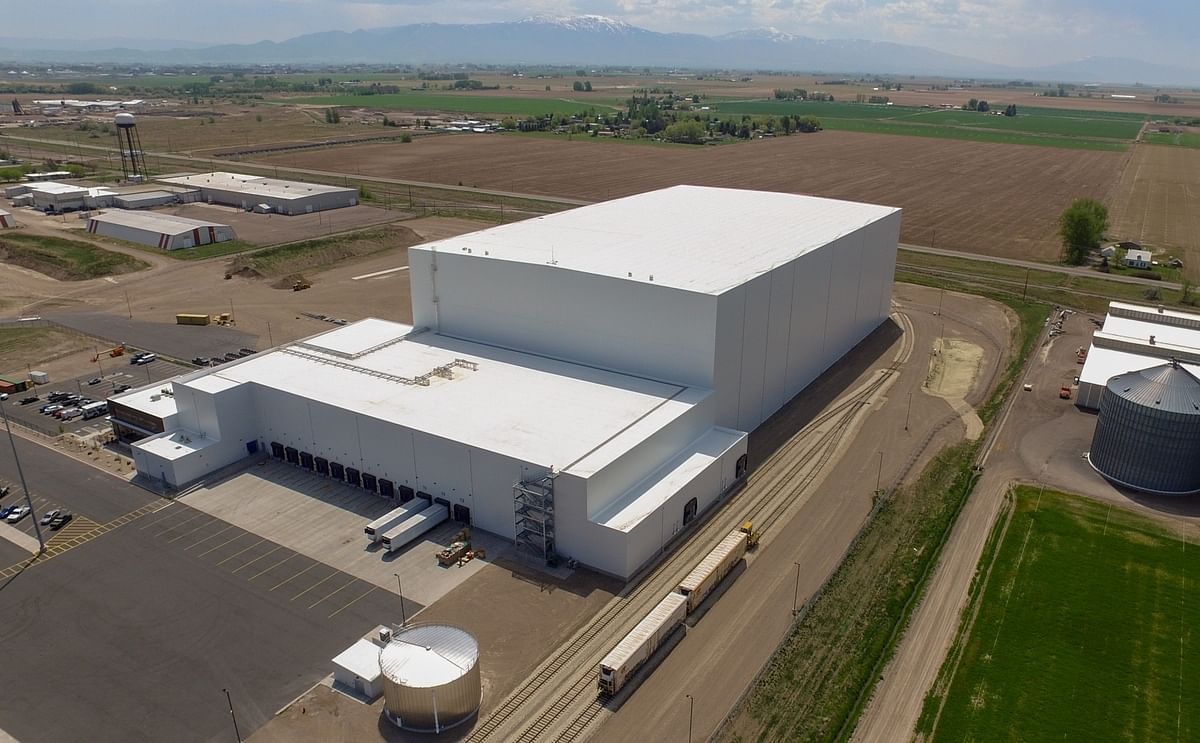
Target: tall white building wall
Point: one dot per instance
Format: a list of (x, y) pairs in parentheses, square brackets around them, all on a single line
[(635, 326)]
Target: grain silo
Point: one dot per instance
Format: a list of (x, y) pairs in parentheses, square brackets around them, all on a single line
[(430, 677), (1148, 431)]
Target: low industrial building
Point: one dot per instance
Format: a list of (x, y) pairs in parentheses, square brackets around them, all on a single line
[(7, 220), (165, 231), (145, 199), (53, 196), (581, 383), (283, 197), (356, 669)]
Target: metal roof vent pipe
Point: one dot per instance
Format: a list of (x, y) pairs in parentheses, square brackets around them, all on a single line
[(1152, 340)]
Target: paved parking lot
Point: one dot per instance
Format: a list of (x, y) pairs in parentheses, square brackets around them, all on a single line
[(161, 335), (131, 634), (116, 372), (324, 519)]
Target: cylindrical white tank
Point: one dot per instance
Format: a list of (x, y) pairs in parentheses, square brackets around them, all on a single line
[(430, 677), (125, 120)]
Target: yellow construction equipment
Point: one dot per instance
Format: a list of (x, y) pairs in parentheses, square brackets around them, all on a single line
[(751, 535), (115, 351), (300, 285)]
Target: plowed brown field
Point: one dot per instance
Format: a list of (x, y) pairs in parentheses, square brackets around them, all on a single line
[(987, 198), (1157, 201)]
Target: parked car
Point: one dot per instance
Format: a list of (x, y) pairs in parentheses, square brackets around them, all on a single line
[(70, 414), (136, 358), (49, 516), (31, 398), (201, 361), (246, 351), (95, 380), (5, 511), (51, 409), (121, 388), (16, 514), (57, 396), (231, 356), (5, 490), (61, 520)]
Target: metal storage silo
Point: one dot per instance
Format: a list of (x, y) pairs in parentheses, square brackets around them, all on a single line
[(1148, 431), (430, 677)]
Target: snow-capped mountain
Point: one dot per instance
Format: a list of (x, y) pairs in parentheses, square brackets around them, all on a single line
[(595, 40)]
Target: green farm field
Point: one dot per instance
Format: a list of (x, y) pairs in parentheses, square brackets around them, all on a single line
[(475, 103), (1102, 130), (1183, 139), (1084, 631)]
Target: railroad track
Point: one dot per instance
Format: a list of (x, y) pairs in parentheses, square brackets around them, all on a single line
[(767, 495)]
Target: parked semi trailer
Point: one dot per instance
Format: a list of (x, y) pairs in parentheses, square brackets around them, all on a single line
[(636, 648), (414, 526), (392, 519), (713, 568)]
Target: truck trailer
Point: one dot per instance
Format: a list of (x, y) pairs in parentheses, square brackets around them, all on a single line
[(392, 519), (713, 568), (188, 318), (636, 648), (414, 526)]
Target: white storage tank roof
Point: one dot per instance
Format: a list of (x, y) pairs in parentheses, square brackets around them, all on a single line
[(430, 677)]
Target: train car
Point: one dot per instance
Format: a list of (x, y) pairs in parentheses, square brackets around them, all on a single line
[(713, 569), (636, 648)]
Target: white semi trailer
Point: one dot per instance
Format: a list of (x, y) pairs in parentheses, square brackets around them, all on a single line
[(414, 526), (393, 518)]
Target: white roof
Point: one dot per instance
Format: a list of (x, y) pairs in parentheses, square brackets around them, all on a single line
[(1123, 343), (254, 185), (176, 445), (144, 399), (53, 187), (695, 238), (361, 659), (428, 655), (153, 221), (373, 367), (94, 191)]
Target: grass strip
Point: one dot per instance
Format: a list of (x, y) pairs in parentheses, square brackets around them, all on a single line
[(63, 259)]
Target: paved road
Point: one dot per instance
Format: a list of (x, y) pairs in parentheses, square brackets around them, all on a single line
[(132, 635)]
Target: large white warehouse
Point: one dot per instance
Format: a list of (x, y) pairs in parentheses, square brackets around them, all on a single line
[(582, 383), (249, 191)]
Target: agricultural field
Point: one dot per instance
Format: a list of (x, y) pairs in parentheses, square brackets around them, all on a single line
[(483, 103), (1181, 139), (1053, 656), (1102, 130), (63, 259), (1157, 201), (979, 197)]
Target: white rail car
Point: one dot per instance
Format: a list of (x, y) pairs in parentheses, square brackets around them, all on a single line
[(636, 648), (712, 569), (414, 526), (394, 518)]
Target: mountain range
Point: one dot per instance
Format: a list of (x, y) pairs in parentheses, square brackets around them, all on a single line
[(589, 41)]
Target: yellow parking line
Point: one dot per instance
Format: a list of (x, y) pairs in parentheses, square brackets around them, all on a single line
[(336, 590), (306, 590), (297, 575), (222, 544), (235, 554), (355, 601), (210, 536), (205, 525), (273, 566)]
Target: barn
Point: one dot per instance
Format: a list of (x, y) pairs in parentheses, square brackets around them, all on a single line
[(165, 231)]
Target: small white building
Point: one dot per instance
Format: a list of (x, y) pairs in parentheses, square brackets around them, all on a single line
[(6, 220), (1138, 258), (165, 231), (1108, 251), (357, 669), (58, 197)]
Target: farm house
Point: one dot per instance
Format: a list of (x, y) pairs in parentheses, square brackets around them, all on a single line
[(583, 383), (165, 231), (283, 197)]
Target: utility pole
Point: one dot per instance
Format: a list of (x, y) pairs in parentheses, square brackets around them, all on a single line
[(232, 716), (796, 596), (879, 476), (400, 590), (21, 474), (128, 308), (908, 412), (1025, 291), (691, 708), (270, 339)]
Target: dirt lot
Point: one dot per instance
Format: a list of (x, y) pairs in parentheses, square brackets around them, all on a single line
[(997, 199), (1157, 201), (271, 229)]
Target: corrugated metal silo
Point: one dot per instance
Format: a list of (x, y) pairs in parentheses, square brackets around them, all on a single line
[(1148, 431), (430, 677)]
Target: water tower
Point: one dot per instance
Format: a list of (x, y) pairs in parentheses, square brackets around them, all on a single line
[(133, 160)]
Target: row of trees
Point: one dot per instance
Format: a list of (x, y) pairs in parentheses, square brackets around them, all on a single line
[(800, 94), (984, 106)]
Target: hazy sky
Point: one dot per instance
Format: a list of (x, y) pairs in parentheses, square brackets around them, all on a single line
[(1018, 32)]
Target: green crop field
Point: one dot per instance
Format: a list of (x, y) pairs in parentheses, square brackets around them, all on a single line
[(1183, 139), (1100, 130), (461, 103), (1084, 631)]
